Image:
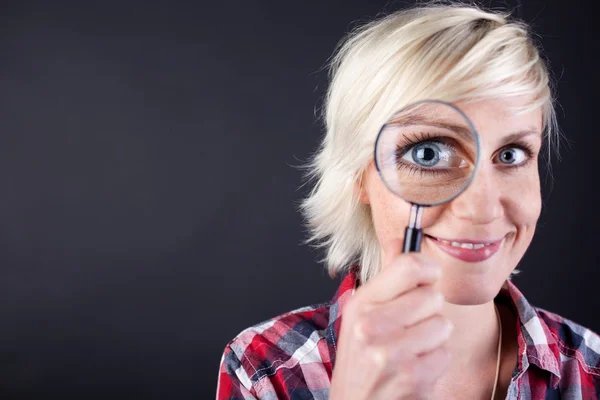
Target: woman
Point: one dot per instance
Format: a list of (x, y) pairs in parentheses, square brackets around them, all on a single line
[(437, 324)]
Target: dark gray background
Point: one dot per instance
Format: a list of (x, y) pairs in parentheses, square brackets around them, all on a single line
[(148, 206)]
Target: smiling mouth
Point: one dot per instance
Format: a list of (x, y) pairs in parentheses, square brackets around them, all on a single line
[(465, 244), (467, 249)]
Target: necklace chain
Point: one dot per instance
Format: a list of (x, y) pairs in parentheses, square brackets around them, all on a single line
[(499, 352)]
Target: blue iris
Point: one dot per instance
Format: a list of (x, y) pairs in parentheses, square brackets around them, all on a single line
[(426, 154)]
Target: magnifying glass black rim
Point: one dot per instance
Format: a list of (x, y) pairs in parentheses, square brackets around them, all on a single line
[(477, 155)]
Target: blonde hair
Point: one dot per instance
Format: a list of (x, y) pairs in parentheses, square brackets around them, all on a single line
[(450, 52)]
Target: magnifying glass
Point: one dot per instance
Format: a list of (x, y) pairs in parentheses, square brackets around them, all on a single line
[(427, 154)]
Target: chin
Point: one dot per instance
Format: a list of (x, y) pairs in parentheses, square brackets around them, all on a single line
[(472, 283), (470, 291)]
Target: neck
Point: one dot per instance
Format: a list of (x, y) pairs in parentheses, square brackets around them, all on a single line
[(474, 341), (474, 349)]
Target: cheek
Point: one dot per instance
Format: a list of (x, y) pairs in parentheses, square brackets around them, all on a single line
[(525, 200), (390, 214)]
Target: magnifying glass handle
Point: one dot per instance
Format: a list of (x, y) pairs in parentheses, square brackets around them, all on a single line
[(413, 233), (412, 240)]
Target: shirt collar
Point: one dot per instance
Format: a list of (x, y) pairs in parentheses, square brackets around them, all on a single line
[(537, 345)]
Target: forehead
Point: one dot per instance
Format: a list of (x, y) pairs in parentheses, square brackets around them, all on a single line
[(497, 118)]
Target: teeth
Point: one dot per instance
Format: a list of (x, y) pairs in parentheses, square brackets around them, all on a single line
[(471, 246)]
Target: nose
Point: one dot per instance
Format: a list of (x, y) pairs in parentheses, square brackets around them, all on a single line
[(481, 202)]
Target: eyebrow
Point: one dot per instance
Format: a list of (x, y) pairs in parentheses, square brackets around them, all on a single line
[(514, 137), (460, 130)]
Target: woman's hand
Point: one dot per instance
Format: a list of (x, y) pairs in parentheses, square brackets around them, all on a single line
[(391, 342)]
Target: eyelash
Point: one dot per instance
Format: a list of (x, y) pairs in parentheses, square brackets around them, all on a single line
[(419, 138), (526, 147), (408, 143)]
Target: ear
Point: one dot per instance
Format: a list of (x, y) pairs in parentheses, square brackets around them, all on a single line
[(361, 187)]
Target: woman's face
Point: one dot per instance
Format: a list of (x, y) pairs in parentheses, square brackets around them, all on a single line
[(500, 208)]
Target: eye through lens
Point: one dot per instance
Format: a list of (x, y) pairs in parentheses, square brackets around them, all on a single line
[(427, 153), (431, 154)]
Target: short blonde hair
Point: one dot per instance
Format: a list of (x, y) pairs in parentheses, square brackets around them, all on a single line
[(449, 52)]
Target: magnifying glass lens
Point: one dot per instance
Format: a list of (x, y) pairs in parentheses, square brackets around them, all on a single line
[(427, 153)]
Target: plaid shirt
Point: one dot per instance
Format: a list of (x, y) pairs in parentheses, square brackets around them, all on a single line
[(292, 355)]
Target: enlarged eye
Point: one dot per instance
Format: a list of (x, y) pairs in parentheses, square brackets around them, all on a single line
[(433, 154), (512, 155)]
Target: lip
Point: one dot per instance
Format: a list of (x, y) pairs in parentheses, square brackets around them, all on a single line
[(465, 254)]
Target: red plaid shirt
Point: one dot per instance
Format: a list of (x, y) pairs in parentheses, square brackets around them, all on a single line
[(292, 355)]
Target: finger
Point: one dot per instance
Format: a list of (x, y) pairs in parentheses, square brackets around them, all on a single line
[(415, 379), (432, 365), (422, 337), (405, 273), (388, 319)]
